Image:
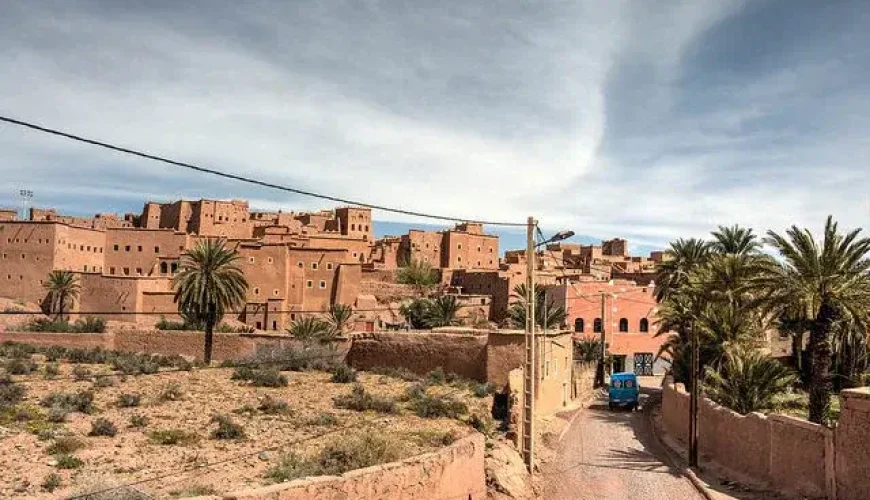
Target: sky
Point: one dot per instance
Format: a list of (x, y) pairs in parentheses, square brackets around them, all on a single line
[(643, 120)]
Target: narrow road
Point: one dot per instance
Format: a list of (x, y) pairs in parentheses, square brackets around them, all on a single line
[(612, 455)]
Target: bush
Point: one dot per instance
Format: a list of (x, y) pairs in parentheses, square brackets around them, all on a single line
[(482, 424), (82, 401), (272, 406), (360, 400), (67, 461), (168, 437), (439, 377), (20, 366), (128, 400), (57, 414), (138, 421), (312, 357), (435, 437), (225, 328), (51, 482), (166, 325), (416, 390), (10, 392), (289, 467), (430, 406), (86, 325), (66, 445), (399, 373), (343, 374), (226, 429), (90, 325), (171, 392), (103, 427), (482, 390), (268, 378), (81, 373), (102, 382), (244, 372), (110, 491), (324, 419), (54, 353), (51, 371), (135, 364)]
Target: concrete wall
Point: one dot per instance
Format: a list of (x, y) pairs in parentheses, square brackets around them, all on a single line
[(455, 472), (421, 352), (786, 453), (852, 446), (584, 380)]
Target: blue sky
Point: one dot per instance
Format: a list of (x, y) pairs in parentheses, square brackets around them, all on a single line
[(644, 120)]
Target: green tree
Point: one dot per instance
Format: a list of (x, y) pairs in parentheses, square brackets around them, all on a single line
[(63, 289), (825, 283), (442, 311), (548, 314), (735, 240), (209, 284), (417, 272), (748, 380), (339, 317), (684, 256), (415, 312), (310, 330)]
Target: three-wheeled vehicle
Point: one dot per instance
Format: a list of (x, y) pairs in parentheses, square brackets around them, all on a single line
[(623, 390)]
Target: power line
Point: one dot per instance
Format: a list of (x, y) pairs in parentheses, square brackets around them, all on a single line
[(249, 180)]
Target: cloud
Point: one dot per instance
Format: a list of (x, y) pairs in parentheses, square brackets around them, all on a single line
[(611, 118)]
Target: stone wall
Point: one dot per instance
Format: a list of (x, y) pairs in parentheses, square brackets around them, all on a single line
[(421, 353), (189, 344), (80, 340), (852, 446), (385, 291), (455, 472), (788, 454)]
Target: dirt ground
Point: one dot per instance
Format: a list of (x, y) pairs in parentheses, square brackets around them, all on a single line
[(131, 456)]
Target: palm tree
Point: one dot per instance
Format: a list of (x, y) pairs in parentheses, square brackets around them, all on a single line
[(442, 311), (685, 256), (417, 272), (310, 329), (748, 381), (735, 240), (415, 312), (826, 284), (339, 317), (548, 315), (63, 289), (208, 284)]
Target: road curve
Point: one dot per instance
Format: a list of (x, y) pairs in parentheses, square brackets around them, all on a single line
[(612, 455)]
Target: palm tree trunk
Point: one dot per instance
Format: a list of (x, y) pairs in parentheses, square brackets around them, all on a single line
[(797, 340), (209, 334), (820, 355)]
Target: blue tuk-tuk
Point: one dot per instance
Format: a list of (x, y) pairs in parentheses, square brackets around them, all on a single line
[(623, 390)]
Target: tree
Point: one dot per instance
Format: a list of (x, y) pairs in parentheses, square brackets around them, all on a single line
[(415, 313), (208, 284), (442, 311), (748, 380), (310, 330), (339, 317), (417, 272), (735, 240), (685, 256), (824, 283), (548, 315), (63, 289)]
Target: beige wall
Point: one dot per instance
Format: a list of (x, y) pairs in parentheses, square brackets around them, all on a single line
[(139, 251), (421, 352), (853, 446)]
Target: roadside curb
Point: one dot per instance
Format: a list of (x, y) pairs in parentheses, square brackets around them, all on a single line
[(583, 406), (674, 458)]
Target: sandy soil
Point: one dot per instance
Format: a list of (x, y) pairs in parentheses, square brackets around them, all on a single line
[(131, 456)]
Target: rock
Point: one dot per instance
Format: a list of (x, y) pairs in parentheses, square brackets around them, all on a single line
[(265, 455), (52, 463), (21, 487)]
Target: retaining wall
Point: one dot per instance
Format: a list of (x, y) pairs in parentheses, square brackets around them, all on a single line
[(455, 472), (852, 446), (421, 353)]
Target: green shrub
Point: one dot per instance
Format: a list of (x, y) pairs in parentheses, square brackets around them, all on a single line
[(51, 482), (66, 445), (54, 353), (171, 392), (416, 390), (135, 364), (482, 390), (170, 437), (435, 437), (138, 421), (358, 451), (128, 400), (290, 466), (272, 406), (226, 429), (244, 372), (360, 400), (81, 373), (483, 424), (19, 366), (82, 401), (199, 490), (268, 378), (101, 382), (86, 325), (67, 461), (103, 427), (225, 328), (57, 414), (432, 406), (398, 373), (90, 325), (324, 419), (439, 377), (10, 392), (343, 374), (51, 371), (246, 410)]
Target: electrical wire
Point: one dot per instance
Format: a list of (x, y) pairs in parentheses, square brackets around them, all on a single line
[(249, 180)]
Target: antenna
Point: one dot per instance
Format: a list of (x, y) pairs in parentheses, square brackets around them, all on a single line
[(26, 196)]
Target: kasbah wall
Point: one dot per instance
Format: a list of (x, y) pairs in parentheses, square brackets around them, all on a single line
[(789, 454)]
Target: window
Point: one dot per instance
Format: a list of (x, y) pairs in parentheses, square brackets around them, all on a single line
[(111, 270), (329, 266), (458, 259), (459, 246), (309, 284), (89, 248), (126, 271), (427, 245), (81, 248), (274, 325), (596, 325), (139, 248), (623, 325), (270, 260), (256, 291), (251, 260), (644, 325), (22, 256), (355, 255), (174, 267), (314, 266), (578, 325), (85, 268), (322, 284), (164, 268), (275, 292), (478, 249), (353, 227), (139, 271), (115, 248), (478, 263), (127, 248), (300, 264), (292, 317), (367, 228), (156, 249), (259, 326)]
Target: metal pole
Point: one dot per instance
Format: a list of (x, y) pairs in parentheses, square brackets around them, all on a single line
[(693, 402), (529, 372)]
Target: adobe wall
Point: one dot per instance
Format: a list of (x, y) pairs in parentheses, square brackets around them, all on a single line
[(852, 445), (421, 353), (190, 344), (79, 340), (516, 401), (384, 290), (454, 472), (504, 352), (584, 380)]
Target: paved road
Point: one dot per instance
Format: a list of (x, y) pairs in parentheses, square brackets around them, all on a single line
[(612, 455)]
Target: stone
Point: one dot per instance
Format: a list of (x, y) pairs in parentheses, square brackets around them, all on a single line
[(52, 462), (265, 455)]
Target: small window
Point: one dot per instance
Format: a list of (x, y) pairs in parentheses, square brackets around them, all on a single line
[(256, 291), (300, 264), (89, 248), (164, 268), (274, 325), (85, 268), (355, 255), (292, 317), (139, 271), (111, 270), (478, 249), (458, 259), (309, 284), (275, 292), (578, 325), (322, 284), (174, 267), (127, 248), (314, 266), (139, 248), (270, 260), (596, 325), (367, 228), (251, 260), (126, 271), (353, 227), (259, 326), (116, 248), (459, 246), (81, 248), (22, 256), (156, 249), (644, 325), (478, 263), (329, 266), (623, 325)]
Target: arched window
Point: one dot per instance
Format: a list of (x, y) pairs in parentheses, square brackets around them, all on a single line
[(623, 324), (644, 325), (596, 325), (164, 268), (578, 325)]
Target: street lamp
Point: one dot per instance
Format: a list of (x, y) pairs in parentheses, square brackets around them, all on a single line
[(561, 235)]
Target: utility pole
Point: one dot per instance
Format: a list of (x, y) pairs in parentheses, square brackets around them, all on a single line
[(693, 401), (599, 370), (528, 445)]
